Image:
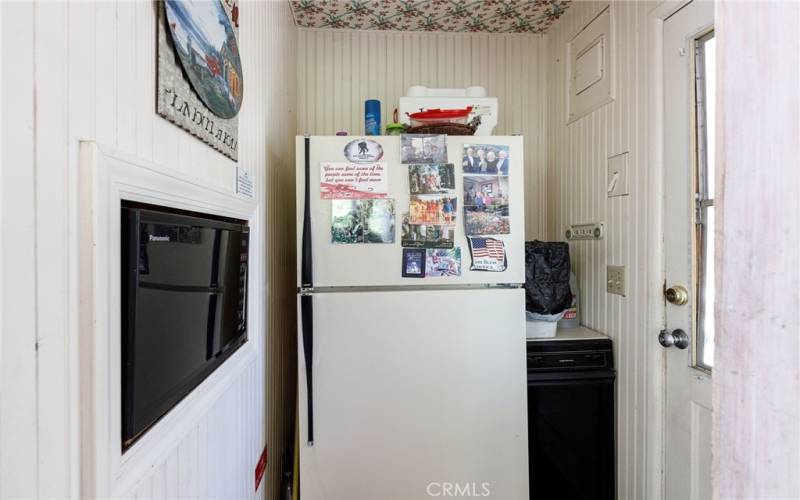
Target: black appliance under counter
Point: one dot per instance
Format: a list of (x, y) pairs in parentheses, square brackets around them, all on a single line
[(571, 421)]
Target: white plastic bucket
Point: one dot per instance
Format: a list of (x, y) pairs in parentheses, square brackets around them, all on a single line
[(540, 329)]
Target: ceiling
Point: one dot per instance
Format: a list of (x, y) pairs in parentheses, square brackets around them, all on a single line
[(491, 16)]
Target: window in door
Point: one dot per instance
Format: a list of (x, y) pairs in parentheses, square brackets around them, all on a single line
[(703, 355)]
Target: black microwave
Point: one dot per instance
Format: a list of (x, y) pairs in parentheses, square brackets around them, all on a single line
[(184, 306)]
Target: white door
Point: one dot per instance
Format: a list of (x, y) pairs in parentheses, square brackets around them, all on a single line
[(688, 242), (416, 394)]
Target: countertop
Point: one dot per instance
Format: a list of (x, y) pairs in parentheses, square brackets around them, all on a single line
[(579, 333)]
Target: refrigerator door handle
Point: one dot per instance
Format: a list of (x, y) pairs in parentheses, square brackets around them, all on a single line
[(307, 319), (306, 280), (306, 274)]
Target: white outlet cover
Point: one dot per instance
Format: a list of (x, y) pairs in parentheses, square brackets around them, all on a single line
[(617, 179), (615, 280)]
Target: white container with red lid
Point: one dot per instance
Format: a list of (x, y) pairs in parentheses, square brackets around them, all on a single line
[(424, 106), (431, 116)]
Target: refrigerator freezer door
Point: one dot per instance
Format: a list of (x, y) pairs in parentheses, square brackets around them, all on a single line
[(376, 264), (415, 390)]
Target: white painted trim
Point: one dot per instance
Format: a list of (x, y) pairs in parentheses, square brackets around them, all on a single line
[(656, 400), (108, 176), (74, 310)]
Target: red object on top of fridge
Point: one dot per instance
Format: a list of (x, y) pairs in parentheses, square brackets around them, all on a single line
[(429, 116)]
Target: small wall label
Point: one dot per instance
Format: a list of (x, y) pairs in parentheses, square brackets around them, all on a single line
[(244, 183)]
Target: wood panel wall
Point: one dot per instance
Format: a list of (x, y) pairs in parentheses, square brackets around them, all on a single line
[(757, 366), (338, 70), (86, 70), (576, 193)]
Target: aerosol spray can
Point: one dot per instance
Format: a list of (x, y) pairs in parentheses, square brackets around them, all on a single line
[(372, 117)]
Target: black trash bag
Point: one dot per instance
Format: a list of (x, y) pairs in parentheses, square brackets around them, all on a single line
[(547, 277)]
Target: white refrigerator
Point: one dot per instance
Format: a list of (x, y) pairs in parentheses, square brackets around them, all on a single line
[(408, 388)]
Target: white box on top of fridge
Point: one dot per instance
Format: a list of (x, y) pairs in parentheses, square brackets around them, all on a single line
[(408, 386)]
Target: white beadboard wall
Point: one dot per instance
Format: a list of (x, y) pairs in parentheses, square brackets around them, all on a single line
[(576, 188), (87, 70), (338, 70), (281, 122)]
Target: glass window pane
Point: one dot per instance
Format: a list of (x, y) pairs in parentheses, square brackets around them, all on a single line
[(706, 357), (705, 105), (709, 49)]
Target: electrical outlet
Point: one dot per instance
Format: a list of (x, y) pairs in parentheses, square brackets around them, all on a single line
[(615, 280)]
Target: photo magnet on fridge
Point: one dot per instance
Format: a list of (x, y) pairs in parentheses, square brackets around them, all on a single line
[(363, 151), (413, 262), (342, 180), (432, 209), (486, 206), (362, 221), (443, 262), (426, 235), (486, 159), (423, 148), (488, 254), (431, 179)]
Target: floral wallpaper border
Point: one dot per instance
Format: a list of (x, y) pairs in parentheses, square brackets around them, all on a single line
[(493, 16)]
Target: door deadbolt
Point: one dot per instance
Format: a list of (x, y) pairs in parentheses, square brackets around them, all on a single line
[(677, 295), (677, 338)]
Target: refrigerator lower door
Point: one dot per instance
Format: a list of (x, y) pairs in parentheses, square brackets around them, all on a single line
[(417, 394)]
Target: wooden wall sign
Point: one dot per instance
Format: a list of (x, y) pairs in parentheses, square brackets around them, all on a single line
[(200, 83)]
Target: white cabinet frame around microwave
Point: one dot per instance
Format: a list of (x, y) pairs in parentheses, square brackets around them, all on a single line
[(107, 176)]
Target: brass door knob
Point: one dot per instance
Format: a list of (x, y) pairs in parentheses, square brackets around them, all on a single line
[(677, 295)]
